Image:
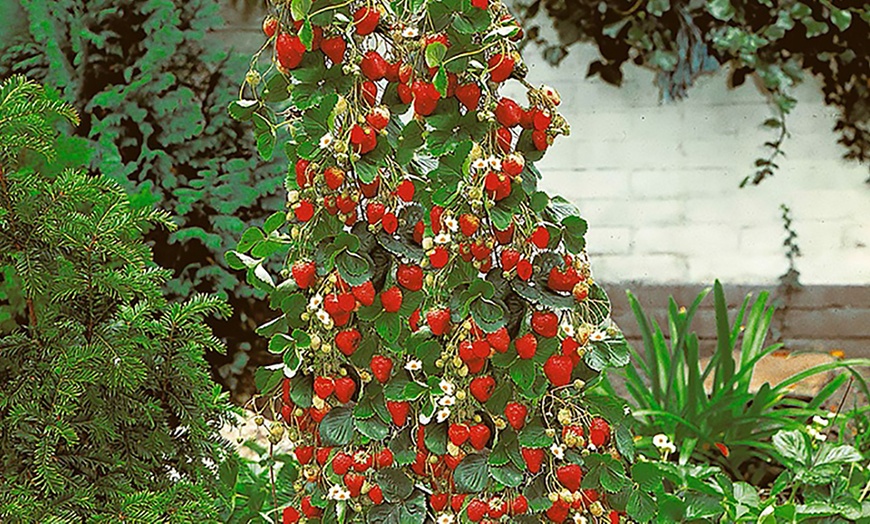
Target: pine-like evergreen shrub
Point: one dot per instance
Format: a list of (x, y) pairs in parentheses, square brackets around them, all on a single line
[(154, 95), (107, 411)]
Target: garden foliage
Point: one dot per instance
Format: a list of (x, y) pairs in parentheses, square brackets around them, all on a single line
[(107, 409)]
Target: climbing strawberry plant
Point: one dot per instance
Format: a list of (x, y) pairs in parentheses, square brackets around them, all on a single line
[(439, 331)]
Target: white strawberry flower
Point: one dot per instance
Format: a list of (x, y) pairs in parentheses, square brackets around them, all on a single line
[(479, 164), (598, 336), (315, 301), (338, 493), (445, 518), (326, 140), (323, 317), (447, 400), (424, 420), (442, 238), (442, 414), (451, 223), (558, 451), (494, 163), (568, 329), (580, 519), (414, 365), (446, 387), (410, 32)]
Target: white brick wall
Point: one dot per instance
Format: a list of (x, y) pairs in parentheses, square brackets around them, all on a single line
[(659, 183)]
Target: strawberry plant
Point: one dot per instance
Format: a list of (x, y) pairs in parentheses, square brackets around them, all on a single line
[(435, 309)]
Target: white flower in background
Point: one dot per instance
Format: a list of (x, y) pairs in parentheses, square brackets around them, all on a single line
[(414, 365), (558, 451), (442, 415), (820, 421), (338, 493), (315, 301), (494, 163), (323, 316), (410, 32), (661, 440), (580, 519), (451, 223), (424, 420), (442, 238), (446, 387), (816, 434), (598, 336), (445, 518), (326, 141), (447, 400), (479, 164), (568, 329)]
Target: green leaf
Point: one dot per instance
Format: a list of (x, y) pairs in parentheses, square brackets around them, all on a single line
[(279, 343), (792, 446), (336, 428), (300, 8), (472, 474), (534, 435), (522, 372), (395, 484), (410, 139), (440, 81), (641, 506), (435, 54), (720, 9), (647, 476), (488, 315), (267, 379), (242, 110), (435, 438), (841, 18), (573, 233), (829, 454), (539, 201), (508, 475), (302, 391), (372, 428), (389, 327)]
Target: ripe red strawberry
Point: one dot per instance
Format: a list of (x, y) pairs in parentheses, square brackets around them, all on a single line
[(438, 501), (347, 341), (438, 321), (466, 351), (304, 454), (513, 164), (391, 299), (363, 138), (374, 212), (378, 117), (515, 413), (371, 189), (426, 97), (500, 67), (334, 177), (376, 495), (341, 463), (304, 176), (482, 388), (569, 349), (545, 323), (345, 204), (285, 391), (345, 387), (580, 291), (458, 434), (540, 237), (310, 511), (435, 214), (384, 458), (329, 204), (468, 95), (509, 259), (405, 191), (365, 20), (539, 138), (390, 223), (304, 210), (398, 412), (354, 483), (479, 436), (468, 224), (562, 280), (476, 510), (456, 502), (323, 387), (270, 26), (599, 432), (334, 48), (559, 511), (481, 349), (373, 66), (534, 458), (499, 339), (541, 119), (322, 455), (526, 346), (346, 301), (406, 95), (519, 505), (504, 139), (410, 277), (570, 476), (318, 414), (369, 91), (558, 370), (290, 515), (303, 273), (419, 465), (497, 508), (362, 461), (508, 112), (524, 269), (381, 368), (289, 50), (505, 236), (439, 257)]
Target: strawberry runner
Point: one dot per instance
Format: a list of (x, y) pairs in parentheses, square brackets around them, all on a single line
[(439, 332)]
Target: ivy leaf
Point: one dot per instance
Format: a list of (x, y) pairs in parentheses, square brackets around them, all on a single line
[(472, 474), (336, 428)]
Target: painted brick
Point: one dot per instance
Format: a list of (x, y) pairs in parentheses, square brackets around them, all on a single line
[(689, 238), (609, 241)]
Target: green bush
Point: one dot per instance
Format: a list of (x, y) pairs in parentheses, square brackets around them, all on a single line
[(106, 405), (155, 96)]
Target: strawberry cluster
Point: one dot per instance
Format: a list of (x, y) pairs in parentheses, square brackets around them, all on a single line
[(436, 309)]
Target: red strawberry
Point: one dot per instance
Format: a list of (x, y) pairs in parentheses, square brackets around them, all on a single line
[(341, 463), (539, 138), (365, 20), (322, 455), (476, 510), (481, 349), (347, 341), (468, 223), (371, 189), (354, 483), (419, 465), (318, 414), (570, 476), (509, 259), (438, 501), (304, 176), (540, 237), (558, 369), (405, 190), (479, 436), (508, 112), (374, 212), (393, 71), (456, 502), (519, 505), (362, 461), (345, 204), (482, 388), (480, 250), (376, 495), (497, 508), (515, 414), (391, 299), (303, 273), (304, 454), (435, 214), (346, 301), (381, 368), (334, 48), (524, 269), (505, 236), (599, 432), (527, 346), (406, 95), (533, 458), (541, 119), (304, 210), (369, 92), (384, 458), (458, 434), (363, 138), (580, 291), (373, 66), (290, 515), (569, 349), (270, 26), (289, 50), (500, 67), (562, 280), (513, 164), (476, 366), (323, 387), (545, 323), (480, 4), (308, 510), (504, 139), (398, 412), (439, 257), (334, 177), (466, 351), (378, 117), (438, 321), (468, 95), (410, 277), (390, 223), (559, 511), (285, 390), (499, 339), (345, 387)]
